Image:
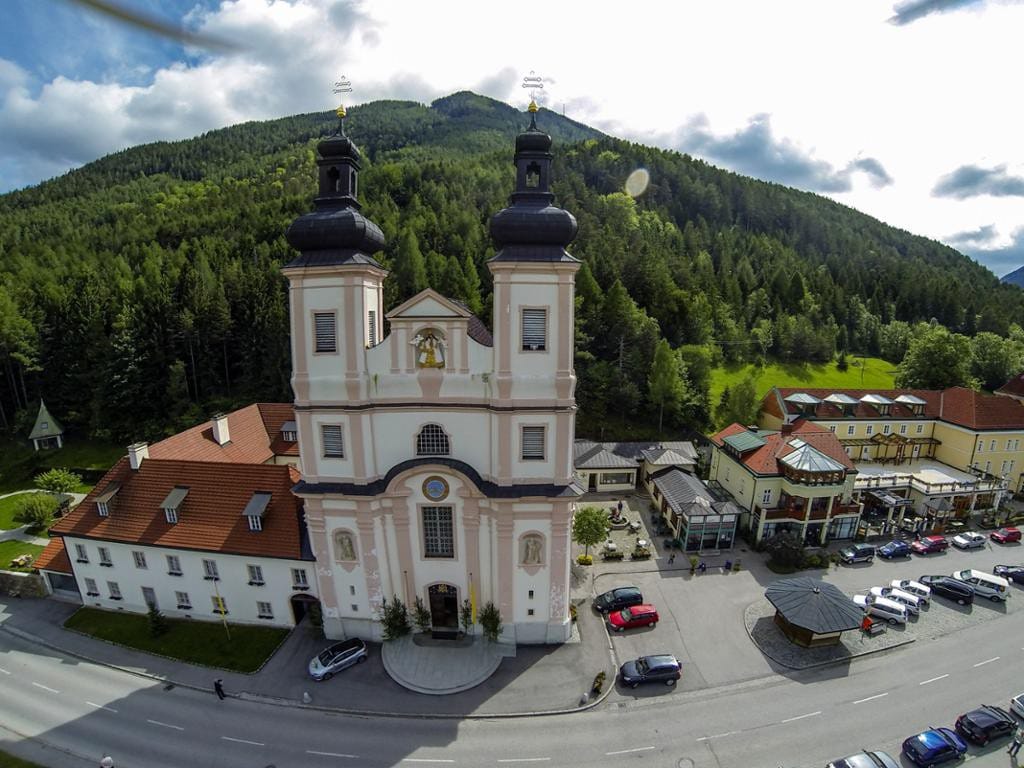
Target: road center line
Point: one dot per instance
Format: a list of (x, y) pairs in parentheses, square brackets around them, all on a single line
[(933, 679), (871, 698), (524, 760), (100, 706), (4, 671), (627, 751), (717, 735), (331, 754), (801, 717), (45, 687), (166, 725), (987, 661), (244, 741), (425, 760)]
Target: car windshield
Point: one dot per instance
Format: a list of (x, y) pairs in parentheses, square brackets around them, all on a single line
[(325, 658), (641, 666), (626, 614)]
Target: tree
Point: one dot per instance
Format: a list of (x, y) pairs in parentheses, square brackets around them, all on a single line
[(993, 360), (936, 359), (420, 615), (738, 405), (57, 481), (490, 621), (410, 266), (785, 549), (395, 619), (36, 511), (588, 527), (665, 386), (466, 616), (157, 623)]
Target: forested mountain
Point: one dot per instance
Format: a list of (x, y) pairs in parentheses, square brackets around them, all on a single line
[(143, 290), (1015, 278)]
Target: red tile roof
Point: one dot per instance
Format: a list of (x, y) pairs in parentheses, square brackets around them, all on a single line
[(765, 460), (54, 558), (210, 518), (956, 405), (1014, 386), (254, 432)]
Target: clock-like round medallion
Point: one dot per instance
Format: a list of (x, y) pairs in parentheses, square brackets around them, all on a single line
[(435, 488)]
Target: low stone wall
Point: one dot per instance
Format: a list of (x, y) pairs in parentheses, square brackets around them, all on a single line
[(14, 584)]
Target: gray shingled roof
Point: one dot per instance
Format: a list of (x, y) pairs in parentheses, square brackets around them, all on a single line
[(685, 455), (46, 425), (681, 489), (814, 604), (626, 455)]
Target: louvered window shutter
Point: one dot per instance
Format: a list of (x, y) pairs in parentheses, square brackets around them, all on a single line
[(326, 335), (535, 329)]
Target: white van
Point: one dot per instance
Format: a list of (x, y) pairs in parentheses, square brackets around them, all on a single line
[(883, 608), (913, 602), (995, 588)]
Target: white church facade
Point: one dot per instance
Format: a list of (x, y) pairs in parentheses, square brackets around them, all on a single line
[(436, 461)]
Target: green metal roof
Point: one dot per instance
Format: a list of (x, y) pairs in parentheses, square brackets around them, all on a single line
[(46, 425), (743, 441)]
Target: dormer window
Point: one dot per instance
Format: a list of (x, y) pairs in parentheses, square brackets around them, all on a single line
[(289, 432), (106, 499), (256, 509), (171, 505)]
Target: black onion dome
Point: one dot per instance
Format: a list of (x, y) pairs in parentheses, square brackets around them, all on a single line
[(336, 232), (532, 228)]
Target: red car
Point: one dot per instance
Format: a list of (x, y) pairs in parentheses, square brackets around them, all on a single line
[(635, 616), (1005, 535), (928, 544)]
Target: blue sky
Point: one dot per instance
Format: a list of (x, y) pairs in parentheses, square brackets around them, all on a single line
[(908, 110)]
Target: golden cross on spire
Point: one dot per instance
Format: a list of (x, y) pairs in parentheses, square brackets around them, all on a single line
[(534, 83), (344, 85)]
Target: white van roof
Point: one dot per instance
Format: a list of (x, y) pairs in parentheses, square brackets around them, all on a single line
[(974, 573)]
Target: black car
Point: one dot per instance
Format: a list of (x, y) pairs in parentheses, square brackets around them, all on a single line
[(651, 669), (947, 586), (857, 553), (985, 723), (1014, 573), (617, 599)]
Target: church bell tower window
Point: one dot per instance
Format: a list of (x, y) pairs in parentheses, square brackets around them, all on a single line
[(432, 441), (533, 176)]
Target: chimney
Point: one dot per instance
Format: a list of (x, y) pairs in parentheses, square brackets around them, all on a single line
[(787, 428), (220, 428), (137, 453)]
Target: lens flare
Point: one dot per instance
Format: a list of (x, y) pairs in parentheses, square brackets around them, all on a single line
[(637, 182)]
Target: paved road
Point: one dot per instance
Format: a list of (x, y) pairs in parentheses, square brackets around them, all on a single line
[(797, 720)]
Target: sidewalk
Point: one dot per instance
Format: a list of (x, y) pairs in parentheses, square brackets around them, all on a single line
[(538, 680)]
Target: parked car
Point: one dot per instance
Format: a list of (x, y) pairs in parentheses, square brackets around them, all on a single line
[(895, 548), (651, 669), (1005, 535), (911, 601), (883, 608), (866, 760), (995, 588), (946, 586), (617, 599), (636, 616), (339, 656), (857, 553), (928, 544), (1017, 705), (913, 587), (969, 540), (934, 746), (985, 723), (1014, 573)]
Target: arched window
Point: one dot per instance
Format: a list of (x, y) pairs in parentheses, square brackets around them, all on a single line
[(533, 175), (432, 441), (335, 178)]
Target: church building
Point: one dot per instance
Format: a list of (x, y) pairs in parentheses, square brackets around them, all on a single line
[(436, 460)]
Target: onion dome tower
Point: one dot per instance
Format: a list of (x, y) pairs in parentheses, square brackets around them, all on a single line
[(532, 228), (336, 232)]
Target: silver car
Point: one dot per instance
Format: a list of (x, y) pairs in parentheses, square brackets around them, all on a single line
[(1017, 705), (969, 540), (882, 607), (912, 602), (339, 656), (914, 588), (866, 760)]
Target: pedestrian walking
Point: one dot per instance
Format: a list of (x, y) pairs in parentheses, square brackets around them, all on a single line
[(620, 506), (1018, 739), (218, 686)]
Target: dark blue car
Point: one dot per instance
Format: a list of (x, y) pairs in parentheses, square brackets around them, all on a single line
[(935, 746), (894, 549)]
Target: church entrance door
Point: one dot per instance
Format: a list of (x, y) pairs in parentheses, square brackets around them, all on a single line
[(444, 606)]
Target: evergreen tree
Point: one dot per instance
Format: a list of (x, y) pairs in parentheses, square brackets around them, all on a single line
[(665, 385)]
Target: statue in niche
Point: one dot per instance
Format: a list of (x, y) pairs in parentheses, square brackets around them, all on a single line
[(531, 550), (429, 350), (345, 548)]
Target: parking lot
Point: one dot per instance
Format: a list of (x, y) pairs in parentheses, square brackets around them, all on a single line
[(701, 617)]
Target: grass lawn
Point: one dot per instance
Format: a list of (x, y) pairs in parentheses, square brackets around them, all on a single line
[(11, 549), (10, 761), (863, 373), (197, 642), (19, 464), (8, 507)]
